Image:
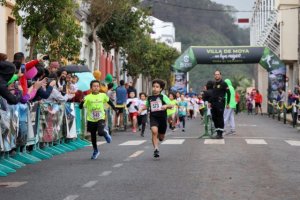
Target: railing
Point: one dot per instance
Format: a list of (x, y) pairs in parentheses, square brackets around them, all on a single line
[(39, 132)]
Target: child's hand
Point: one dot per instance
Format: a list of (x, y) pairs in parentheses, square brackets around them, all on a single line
[(164, 107)]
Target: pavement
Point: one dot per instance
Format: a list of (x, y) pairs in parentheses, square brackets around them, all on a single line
[(260, 162)]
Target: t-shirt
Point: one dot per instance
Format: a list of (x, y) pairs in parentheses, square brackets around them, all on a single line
[(142, 104), (182, 107), (95, 106), (121, 95), (133, 105), (155, 104), (174, 109)]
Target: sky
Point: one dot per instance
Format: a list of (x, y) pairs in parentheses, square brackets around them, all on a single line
[(239, 5)]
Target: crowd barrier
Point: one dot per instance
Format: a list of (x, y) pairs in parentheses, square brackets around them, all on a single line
[(281, 111), (38, 131)]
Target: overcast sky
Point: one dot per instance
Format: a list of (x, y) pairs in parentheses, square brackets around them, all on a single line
[(239, 5)]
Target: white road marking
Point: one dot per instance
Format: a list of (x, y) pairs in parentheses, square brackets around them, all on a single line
[(118, 165), (214, 141), (127, 159), (98, 143), (293, 142), (256, 141), (136, 154), (71, 197), (105, 173), (245, 125), (90, 184), (178, 141), (186, 137), (133, 143), (12, 184)]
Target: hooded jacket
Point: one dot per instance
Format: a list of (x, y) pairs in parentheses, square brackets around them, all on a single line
[(232, 103), (7, 70)]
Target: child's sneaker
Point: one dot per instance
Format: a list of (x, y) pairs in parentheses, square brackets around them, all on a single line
[(107, 136), (183, 130), (95, 155), (156, 153), (134, 130)]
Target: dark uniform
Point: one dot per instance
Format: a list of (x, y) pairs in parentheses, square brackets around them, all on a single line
[(217, 101)]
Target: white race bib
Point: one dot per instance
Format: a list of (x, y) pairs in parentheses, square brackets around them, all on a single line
[(156, 106), (96, 115)]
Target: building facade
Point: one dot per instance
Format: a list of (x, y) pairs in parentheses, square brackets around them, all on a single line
[(9, 30), (275, 24)]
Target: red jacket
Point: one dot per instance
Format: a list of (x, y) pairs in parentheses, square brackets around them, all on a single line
[(258, 98), (23, 80)]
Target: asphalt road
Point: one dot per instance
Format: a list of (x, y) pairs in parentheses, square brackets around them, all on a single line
[(260, 162)]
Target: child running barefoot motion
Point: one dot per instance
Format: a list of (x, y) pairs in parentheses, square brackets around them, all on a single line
[(94, 103), (158, 104), (142, 118), (132, 105)]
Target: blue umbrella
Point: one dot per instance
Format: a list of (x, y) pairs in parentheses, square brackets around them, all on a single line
[(85, 79)]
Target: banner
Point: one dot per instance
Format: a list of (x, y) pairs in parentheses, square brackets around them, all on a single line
[(236, 55), (180, 82)]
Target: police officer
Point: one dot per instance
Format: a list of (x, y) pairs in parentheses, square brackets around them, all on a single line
[(217, 101)]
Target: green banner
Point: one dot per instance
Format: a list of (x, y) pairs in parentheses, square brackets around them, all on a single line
[(236, 55)]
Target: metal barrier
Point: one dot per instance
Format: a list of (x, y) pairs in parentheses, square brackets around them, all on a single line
[(45, 130), (282, 110)]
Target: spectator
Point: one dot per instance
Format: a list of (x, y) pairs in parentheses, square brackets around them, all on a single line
[(258, 102), (62, 82), (191, 93), (7, 70), (281, 99), (53, 67), (237, 99), (121, 99)]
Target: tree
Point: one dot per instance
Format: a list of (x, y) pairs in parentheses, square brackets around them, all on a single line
[(125, 25), (40, 16), (100, 11)]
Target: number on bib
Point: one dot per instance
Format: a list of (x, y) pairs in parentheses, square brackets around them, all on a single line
[(96, 115), (156, 106)]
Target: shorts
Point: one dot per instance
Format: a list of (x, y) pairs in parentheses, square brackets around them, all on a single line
[(160, 123), (98, 126), (135, 114), (142, 119), (257, 105), (120, 108)]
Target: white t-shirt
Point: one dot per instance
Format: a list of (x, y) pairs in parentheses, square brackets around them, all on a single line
[(134, 102), (142, 104)]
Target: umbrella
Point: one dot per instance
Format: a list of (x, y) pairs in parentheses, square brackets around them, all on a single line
[(75, 68), (84, 81)]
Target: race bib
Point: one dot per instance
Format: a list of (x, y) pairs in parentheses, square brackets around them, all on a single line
[(96, 115), (156, 106), (181, 109)]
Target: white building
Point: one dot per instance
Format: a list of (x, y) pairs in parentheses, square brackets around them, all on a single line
[(275, 24)]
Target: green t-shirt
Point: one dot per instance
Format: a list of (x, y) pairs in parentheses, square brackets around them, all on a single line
[(94, 103), (154, 103), (174, 109)]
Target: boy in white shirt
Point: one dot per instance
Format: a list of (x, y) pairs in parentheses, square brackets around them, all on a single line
[(142, 118)]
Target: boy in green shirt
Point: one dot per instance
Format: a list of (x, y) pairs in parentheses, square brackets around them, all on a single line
[(94, 103)]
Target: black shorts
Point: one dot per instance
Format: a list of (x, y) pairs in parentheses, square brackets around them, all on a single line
[(257, 105), (142, 119), (94, 127), (160, 123), (119, 110)]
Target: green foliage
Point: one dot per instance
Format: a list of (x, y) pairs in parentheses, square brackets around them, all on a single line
[(50, 24), (204, 28)]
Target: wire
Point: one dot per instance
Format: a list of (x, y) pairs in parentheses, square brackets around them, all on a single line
[(219, 10)]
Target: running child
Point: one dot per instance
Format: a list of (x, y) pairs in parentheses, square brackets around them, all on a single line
[(142, 118), (158, 104), (172, 112), (132, 105), (182, 111), (94, 103)]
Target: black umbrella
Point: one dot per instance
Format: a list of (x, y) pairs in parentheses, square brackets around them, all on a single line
[(75, 68)]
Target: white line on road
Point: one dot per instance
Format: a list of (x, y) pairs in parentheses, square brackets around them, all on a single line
[(12, 184), (105, 173), (214, 141), (133, 143), (90, 184), (293, 142), (178, 141), (118, 165), (71, 197), (255, 141), (136, 154)]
